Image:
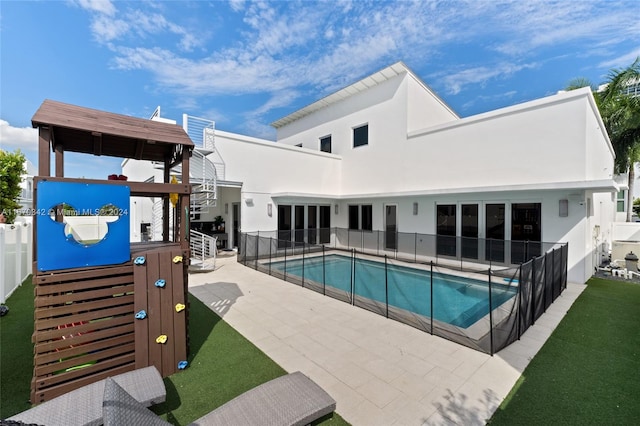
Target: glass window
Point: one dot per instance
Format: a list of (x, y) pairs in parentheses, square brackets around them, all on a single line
[(367, 217), (361, 136), (446, 229), (354, 220), (325, 144), (620, 203)]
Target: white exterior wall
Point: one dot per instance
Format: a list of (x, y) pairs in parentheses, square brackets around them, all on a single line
[(424, 109), (524, 146), (266, 168), (141, 208)]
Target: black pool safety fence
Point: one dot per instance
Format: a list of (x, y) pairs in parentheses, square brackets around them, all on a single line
[(474, 295)]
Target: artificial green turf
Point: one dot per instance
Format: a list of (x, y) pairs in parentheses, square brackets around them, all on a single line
[(222, 364), (16, 351), (588, 372)]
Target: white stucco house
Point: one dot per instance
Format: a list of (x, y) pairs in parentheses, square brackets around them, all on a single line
[(386, 153)]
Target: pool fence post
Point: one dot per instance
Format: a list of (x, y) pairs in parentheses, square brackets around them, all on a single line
[(519, 300), (324, 285), (303, 245), (257, 247), (270, 245), (431, 301), (285, 260), (532, 301), (353, 267), (490, 315), (386, 285), (544, 285), (244, 252), (553, 274)]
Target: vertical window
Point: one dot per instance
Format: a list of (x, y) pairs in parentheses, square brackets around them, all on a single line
[(354, 220), (446, 229), (620, 202), (367, 217), (361, 136), (325, 144), (494, 232)]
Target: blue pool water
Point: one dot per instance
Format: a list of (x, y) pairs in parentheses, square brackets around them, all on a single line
[(457, 300)]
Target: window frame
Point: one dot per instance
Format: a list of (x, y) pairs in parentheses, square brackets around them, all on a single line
[(354, 130), (324, 138)]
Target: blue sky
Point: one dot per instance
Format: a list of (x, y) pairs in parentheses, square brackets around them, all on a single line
[(247, 64)]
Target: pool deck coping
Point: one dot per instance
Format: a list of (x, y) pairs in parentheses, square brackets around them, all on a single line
[(380, 371)]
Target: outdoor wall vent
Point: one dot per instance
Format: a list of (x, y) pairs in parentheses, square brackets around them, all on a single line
[(564, 208)]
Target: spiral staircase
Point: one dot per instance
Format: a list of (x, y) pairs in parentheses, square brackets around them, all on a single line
[(204, 174)]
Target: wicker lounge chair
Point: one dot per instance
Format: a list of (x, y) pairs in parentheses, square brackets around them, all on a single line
[(293, 399), (83, 406)]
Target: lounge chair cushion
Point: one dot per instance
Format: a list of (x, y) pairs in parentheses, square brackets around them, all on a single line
[(293, 399), (120, 408)]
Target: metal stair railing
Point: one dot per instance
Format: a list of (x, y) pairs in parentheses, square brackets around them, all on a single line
[(203, 250)]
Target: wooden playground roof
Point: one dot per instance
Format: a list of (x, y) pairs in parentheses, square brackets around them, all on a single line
[(90, 131)]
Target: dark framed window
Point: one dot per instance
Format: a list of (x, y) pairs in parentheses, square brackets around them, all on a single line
[(367, 217), (354, 219), (325, 144), (361, 136)]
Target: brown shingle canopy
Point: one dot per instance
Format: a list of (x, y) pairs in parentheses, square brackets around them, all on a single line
[(90, 131)]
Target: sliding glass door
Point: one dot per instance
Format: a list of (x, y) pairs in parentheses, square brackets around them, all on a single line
[(469, 231), (446, 230), (494, 232)]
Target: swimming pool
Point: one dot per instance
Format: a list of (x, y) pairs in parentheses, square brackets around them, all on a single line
[(458, 301)]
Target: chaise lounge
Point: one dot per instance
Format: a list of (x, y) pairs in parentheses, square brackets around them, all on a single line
[(293, 399)]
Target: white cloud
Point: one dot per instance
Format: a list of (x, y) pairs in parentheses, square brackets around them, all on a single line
[(104, 7), (621, 61), (106, 29), (454, 82), (23, 138)]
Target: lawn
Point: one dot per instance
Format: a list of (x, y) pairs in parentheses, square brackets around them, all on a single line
[(588, 372), (223, 364)]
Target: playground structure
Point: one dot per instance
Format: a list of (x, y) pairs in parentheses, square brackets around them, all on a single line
[(103, 305)]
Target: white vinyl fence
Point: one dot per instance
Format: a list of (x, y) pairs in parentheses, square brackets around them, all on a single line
[(15, 256)]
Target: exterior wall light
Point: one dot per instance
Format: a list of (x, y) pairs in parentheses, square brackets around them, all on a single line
[(269, 209)]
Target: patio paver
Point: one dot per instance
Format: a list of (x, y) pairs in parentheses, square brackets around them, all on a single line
[(379, 371)]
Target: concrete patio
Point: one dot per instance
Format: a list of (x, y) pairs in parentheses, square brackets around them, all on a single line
[(380, 372)]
